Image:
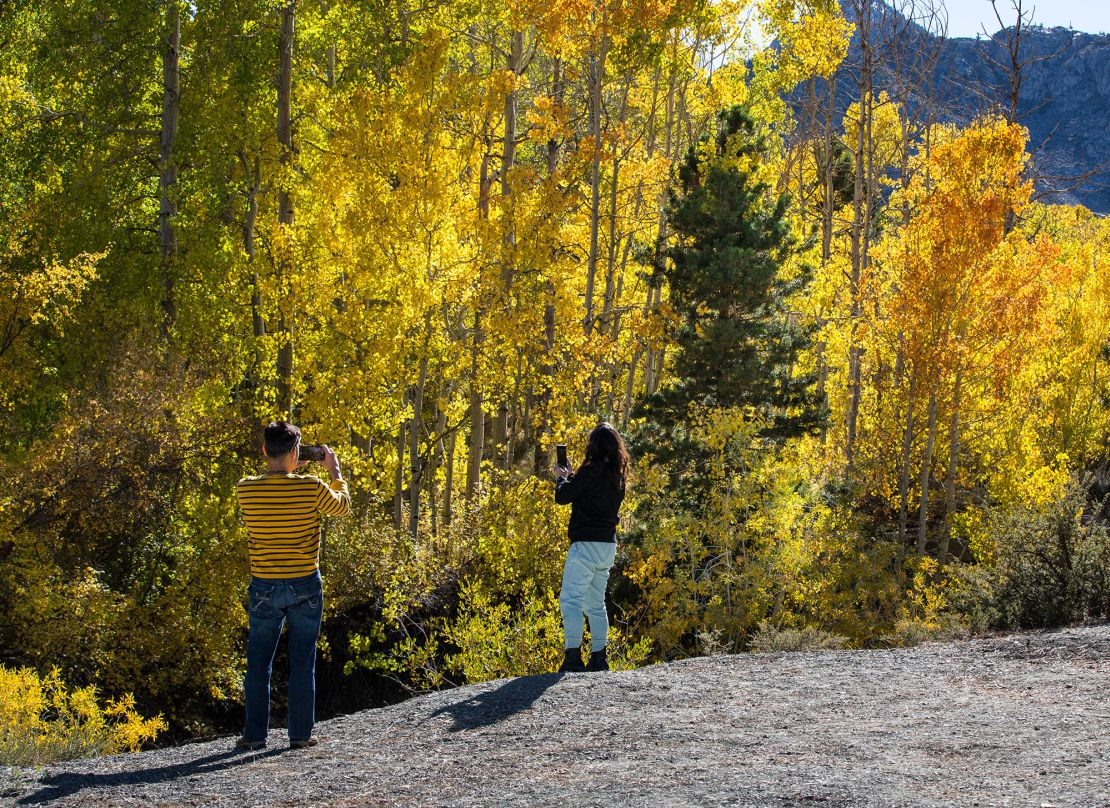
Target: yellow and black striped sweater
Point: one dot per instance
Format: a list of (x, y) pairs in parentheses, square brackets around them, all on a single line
[(283, 513)]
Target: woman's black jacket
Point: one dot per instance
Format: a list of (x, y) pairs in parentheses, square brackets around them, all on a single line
[(595, 501)]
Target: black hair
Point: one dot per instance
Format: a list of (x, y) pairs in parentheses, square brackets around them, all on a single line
[(280, 438), (606, 454)]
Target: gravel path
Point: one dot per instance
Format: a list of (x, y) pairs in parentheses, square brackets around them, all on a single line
[(1022, 720)]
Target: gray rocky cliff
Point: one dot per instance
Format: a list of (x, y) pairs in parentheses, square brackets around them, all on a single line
[(1064, 99), (1064, 102)]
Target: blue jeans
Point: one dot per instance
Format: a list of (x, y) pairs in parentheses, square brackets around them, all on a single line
[(272, 602)]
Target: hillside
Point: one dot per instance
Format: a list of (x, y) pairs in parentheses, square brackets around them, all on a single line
[(1064, 99), (1019, 720)]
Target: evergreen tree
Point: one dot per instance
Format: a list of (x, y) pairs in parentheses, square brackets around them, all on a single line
[(736, 341)]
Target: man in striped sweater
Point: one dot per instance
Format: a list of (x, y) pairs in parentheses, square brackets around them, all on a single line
[(282, 510)]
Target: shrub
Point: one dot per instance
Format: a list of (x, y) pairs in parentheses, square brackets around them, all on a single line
[(770, 638), (488, 637), (1051, 565), (496, 640), (43, 721), (910, 631), (122, 560)]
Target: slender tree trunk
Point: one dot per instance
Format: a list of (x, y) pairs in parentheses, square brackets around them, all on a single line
[(828, 188), (253, 380), (509, 455), (953, 458), (416, 468), (399, 478), (329, 57), (860, 227), (642, 348), (508, 153), (254, 175), (477, 420), (617, 258), (449, 481), (547, 372), (926, 466), (904, 470), (284, 106), (554, 147), (597, 80), (615, 317), (630, 385), (653, 364), (609, 301), (603, 322), (500, 437), (864, 258), (171, 109), (828, 185), (477, 401), (547, 368), (285, 199), (525, 423), (437, 463), (660, 361)]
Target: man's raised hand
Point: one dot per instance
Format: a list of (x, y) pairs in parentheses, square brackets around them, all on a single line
[(331, 463)]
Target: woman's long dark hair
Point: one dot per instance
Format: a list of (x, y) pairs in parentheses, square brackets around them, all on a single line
[(606, 454)]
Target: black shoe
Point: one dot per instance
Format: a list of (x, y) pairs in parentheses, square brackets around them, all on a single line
[(572, 661), (303, 743), (249, 746), (599, 661)]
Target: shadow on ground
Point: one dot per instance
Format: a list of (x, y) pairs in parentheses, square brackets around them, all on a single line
[(66, 784), (494, 706)]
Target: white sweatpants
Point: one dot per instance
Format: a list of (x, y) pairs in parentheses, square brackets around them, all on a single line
[(584, 577)]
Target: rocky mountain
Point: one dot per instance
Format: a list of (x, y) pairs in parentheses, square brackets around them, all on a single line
[(1064, 101), (1064, 97)]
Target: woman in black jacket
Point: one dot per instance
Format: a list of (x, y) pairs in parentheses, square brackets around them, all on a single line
[(595, 493)]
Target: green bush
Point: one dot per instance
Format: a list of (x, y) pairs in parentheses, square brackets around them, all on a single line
[(1050, 566)]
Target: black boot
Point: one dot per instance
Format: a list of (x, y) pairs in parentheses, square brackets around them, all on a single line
[(572, 661), (599, 661)]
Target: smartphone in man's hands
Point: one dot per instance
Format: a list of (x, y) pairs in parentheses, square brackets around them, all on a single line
[(311, 452)]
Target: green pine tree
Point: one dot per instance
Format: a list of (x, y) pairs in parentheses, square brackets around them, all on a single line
[(736, 341)]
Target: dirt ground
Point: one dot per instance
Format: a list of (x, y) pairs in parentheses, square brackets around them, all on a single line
[(1022, 720)]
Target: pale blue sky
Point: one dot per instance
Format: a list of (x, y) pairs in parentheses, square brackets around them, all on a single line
[(967, 17)]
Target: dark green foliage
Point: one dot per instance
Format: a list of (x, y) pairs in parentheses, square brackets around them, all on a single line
[(1051, 566), (737, 342)]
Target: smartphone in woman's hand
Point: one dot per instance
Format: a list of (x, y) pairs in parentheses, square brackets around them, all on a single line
[(561, 455)]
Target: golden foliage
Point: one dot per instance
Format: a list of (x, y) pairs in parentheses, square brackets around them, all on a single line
[(457, 213), (42, 720)]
